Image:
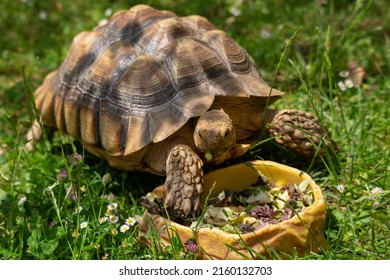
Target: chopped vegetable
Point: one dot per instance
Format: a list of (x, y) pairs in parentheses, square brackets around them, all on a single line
[(260, 205)]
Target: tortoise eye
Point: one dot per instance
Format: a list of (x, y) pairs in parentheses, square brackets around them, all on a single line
[(200, 135)]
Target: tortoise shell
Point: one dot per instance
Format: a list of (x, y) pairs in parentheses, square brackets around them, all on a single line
[(140, 77)]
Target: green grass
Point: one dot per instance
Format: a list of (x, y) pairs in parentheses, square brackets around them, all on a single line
[(38, 223)]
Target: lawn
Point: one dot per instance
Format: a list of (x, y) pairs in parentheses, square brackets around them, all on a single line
[(54, 199)]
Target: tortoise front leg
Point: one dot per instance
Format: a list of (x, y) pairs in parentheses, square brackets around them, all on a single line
[(184, 182)]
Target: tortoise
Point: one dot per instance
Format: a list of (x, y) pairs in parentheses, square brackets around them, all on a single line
[(151, 91)]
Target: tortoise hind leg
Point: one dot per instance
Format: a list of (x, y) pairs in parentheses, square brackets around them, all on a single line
[(35, 134), (184, 182), (300, 132)]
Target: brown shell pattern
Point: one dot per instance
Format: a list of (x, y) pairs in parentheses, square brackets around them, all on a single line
[(142, 76)]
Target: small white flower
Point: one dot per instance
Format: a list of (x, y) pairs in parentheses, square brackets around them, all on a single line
[(113, 219), (42, 15), (342, 86), (124, 228), (376, 191), (344, 74), (130, 221), (112, 206), (22, 200), (108, 12), (265, 34), (348, 83), (340, 188), (83, 225), (103, 220), (109, 197), (235, 11)]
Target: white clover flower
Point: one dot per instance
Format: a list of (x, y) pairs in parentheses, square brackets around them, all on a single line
[(108, 12), (265, 34), (112, 206), (235, 11), (106, 178), (340, 188), (344, 74), (42, 15), (83, 225), (130, 221), (109, 197), (113, 219), (124, 228), (376, 191), (348, 83), (22, 200), (342, 86), (103, 220)]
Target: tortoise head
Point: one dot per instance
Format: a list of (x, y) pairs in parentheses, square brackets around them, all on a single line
[(214, 133)]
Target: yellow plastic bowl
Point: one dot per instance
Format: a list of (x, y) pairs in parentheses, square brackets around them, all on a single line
[(301, 234)]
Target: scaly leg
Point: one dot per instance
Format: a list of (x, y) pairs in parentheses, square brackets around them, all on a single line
[(299, 131), (184, 182)]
